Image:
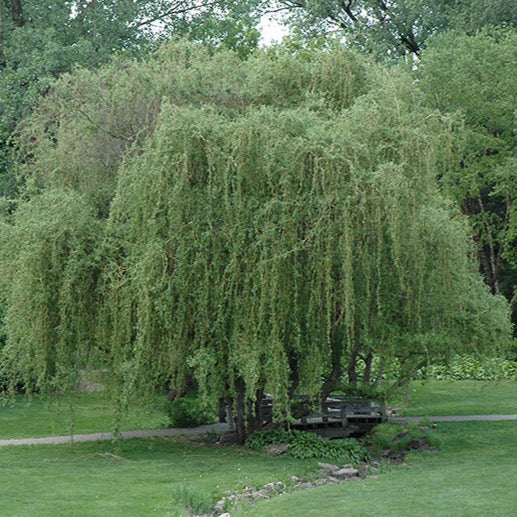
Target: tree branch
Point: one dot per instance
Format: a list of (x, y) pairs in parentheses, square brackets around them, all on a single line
[(494, 266), (347, 7), (178, 9)]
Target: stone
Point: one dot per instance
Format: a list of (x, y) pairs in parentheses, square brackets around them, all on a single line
[(303, 485), (321, 482), (345, 473), (328, 467), (274, 486), (277, 449), (219, 507)]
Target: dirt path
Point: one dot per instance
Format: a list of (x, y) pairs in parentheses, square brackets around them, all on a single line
[(218, 428)]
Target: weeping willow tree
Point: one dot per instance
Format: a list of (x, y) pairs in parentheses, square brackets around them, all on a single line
[(274, 226), (276, 249)]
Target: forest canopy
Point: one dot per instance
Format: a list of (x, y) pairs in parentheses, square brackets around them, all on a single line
[(274, 224)]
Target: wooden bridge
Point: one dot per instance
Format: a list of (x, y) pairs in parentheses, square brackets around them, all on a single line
[(339, 416)]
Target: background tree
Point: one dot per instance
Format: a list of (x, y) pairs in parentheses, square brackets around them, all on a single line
[(393, 27), (39, 41), (475, 76)]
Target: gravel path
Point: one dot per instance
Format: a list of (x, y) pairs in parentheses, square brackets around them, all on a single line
[(93, 437), (454, 418), (218, 428)]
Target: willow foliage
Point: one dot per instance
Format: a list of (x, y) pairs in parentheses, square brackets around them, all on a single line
[(81, 131), (49, 263), (273, 224), (275, 246)]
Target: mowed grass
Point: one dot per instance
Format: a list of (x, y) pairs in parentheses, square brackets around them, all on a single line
[(431, 398), (473, 475), (134, 478), (38, 416)]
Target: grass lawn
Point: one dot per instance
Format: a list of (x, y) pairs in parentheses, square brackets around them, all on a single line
[(86, 480), (39, 416), (430, 398), (473, 475)]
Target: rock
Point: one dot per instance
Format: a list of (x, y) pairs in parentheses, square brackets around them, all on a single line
[(328, 467), (321, 482), (364, 471), (332, 479), (225, 515), (345, 473), (303, 485), (417, 443), (219, 507), (277, 449), (274, 487)]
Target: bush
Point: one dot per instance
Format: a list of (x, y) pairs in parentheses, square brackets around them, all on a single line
[(394, 439), (259, 440), (190, 412), (469, 367), (304, 445)]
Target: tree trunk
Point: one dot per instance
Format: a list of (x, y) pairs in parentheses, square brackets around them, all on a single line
[(351, 370), (254, 414), (3, 61), (332, 379), (240, 417), (17, 12), (368, 369), (492, 255), (248, 414)]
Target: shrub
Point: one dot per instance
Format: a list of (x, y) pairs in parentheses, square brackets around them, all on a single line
[(190, 412), (259, 440), (469, 367), (393, 439), (304, 445)]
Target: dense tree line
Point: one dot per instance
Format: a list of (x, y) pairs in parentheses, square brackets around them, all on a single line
[(40, 41), (392, 28)]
